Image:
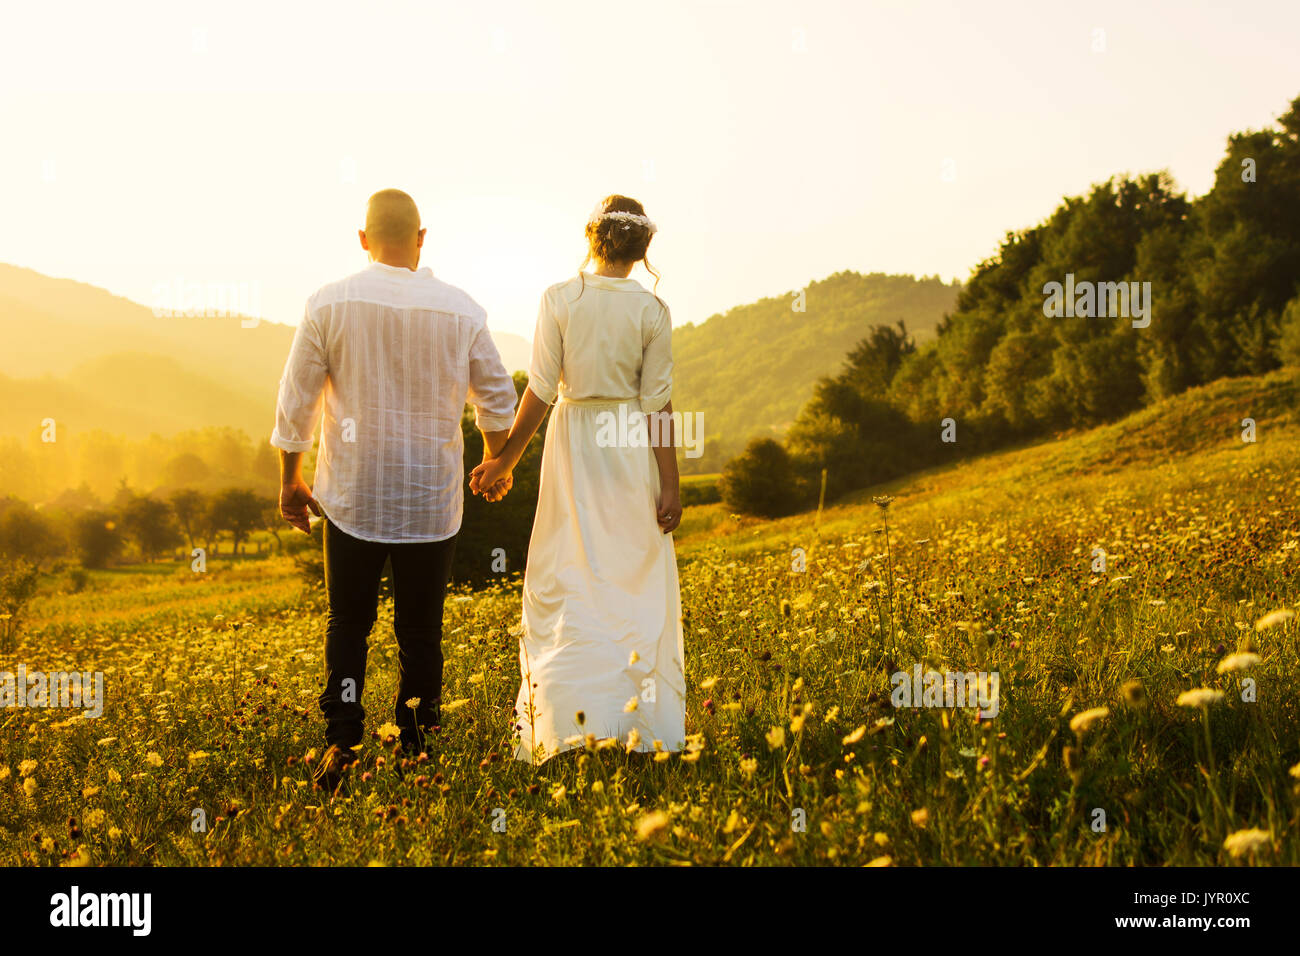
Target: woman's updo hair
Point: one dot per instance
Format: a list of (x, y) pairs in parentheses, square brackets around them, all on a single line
[(613, 239)]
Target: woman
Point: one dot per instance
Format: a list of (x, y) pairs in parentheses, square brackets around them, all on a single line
[(600, 651)]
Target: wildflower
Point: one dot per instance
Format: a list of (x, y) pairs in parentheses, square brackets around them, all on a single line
[(831, 714), (27, 768), (854, 737), (1199, 697), (921, 818), (198, 756), (454, 705), (1245, 842), (776, 738), (633, 658), (631, 705), (796, 724), (651, 825), (559, 793), (29, 787), (1133, 692), (883, 502), (153, 759), (1082, 722), (93, 819), (1274, 619), (1237, 662), (389, 731), (881, 861), (708, 683), (633, 739), (748, 765), (413, 703)]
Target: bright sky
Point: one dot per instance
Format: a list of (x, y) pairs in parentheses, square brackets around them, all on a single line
[(145, 144)]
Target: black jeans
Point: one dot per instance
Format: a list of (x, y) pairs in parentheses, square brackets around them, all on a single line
[(353, 569)]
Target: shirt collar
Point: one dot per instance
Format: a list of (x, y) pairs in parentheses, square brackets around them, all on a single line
[(401, 271), (610, 282)]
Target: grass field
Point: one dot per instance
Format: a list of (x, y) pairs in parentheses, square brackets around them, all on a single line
[(793, 630)]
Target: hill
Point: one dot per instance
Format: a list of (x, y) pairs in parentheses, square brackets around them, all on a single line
[(93, 360), (750, 369)]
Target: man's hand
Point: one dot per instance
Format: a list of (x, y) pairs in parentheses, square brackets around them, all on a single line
[(492, 479), (669, 512), (295, 499)]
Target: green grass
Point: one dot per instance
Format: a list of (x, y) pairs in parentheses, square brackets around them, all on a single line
[(795, 624)]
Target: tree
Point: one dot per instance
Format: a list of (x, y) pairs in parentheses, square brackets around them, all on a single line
[(190, 508), (27, 533), (761, 480), (150, 524), (97, 539), (238, 511)]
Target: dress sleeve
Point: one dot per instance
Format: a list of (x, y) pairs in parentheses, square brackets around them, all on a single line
[(299, 405), (548, 353), (657, 364)]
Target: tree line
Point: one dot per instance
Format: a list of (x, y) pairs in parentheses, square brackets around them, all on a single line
[(1223, 276)]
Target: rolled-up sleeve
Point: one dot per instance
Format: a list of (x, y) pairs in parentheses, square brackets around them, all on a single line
[(657, 364), (302, 388), (548, 353), (491, 389)]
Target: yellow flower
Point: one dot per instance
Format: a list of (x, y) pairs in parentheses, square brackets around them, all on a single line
[(389, 729), (748, 765), (631, 705), (153, 759), (413, 703), (93, 819), (776, 738), (27, 768), (198, 756), (921, 818), (1245, 842), (114, 776), (89, 792), (47, 845), (854, 737), (633, 658), (651, 825), (29, 786), (708, 683), (633, 739), (796, 724), (882, 861)]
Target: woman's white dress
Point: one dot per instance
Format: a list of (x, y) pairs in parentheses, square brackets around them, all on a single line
[(600, 650)]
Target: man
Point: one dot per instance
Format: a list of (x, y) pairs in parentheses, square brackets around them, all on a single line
[(387, 358)]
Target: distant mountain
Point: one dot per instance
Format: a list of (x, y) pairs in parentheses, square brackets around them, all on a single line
[(751, 369), (93, 360)]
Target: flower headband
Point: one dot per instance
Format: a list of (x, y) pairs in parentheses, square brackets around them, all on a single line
[(627, 218)]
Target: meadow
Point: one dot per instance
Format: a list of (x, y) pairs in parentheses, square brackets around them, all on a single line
[(797, 755)]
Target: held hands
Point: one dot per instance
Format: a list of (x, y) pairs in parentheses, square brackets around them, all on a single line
[(492, 479), (295, 500)]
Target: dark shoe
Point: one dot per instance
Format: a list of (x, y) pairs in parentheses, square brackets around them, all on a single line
[(333, 768)]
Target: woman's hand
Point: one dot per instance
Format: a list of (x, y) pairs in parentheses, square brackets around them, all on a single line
[(492, 479), (669, 513)]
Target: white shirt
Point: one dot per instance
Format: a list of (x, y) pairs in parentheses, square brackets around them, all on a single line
[(388, 358), (601, 337)]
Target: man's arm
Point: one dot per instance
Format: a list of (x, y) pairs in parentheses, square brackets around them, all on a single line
[(297, 415), (295, 496), (492, 393)]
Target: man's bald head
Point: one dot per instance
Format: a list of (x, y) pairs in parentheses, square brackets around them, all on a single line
[(391, 218), (393, 234)]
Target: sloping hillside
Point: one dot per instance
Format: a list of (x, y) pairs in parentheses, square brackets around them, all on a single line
[(750, 369)]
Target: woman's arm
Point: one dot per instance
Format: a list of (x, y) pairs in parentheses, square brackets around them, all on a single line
[(669, 511), (484, 479)]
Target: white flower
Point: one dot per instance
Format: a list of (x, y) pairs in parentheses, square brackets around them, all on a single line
[(1237, 662), (1246, 841), (1199, 697), (1081, 722)]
